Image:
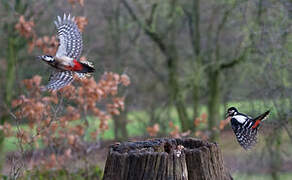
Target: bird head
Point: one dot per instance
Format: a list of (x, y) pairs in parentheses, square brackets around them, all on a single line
[(232, 111), (47, 58)]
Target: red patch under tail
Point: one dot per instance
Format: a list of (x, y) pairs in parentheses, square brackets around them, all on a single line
[(77, 66), (256, 124), (81, 67), (260, 118)]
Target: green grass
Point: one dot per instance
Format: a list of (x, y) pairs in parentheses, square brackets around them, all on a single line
[(135, 128), (139, 120), (10, 144), (244, 176)]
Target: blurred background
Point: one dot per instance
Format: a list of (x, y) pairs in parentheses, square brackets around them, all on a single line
[(164, 68)]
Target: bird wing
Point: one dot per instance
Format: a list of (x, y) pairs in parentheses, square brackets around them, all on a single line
[(245, 135), (69, 36), (59, 79), (240, 118)]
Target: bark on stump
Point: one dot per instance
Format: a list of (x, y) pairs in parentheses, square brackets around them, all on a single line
[(165, 159)]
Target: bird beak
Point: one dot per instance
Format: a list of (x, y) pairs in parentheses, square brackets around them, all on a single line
[(227, 115), (39, 57)]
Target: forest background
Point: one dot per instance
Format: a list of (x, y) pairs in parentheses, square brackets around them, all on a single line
[(163, 68)]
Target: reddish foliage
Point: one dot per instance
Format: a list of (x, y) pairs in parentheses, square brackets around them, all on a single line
[(202, 135), (223, 123), (25, 28), (7, 129), (81, 22), (48, 45), (50, 122), (153, 130), (175, 130), (125, 80), (201, 120), (73, 2)]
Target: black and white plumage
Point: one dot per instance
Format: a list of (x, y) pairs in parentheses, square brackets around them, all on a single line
[(65, 61), (60, 79), (69, 36), (245, 128)]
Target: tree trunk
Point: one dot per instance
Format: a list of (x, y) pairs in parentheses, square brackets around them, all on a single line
[(170, 51), (9, 83), (10, 74), (196, 93), (120, 126), (175, 92), (213, 104), (185, 159)]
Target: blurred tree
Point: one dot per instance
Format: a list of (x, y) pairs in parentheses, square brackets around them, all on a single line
[(168, 49), (15, 43), (211, 59), (117, 47), (193, 18), (275, 55), (269, 71), (190, 55)]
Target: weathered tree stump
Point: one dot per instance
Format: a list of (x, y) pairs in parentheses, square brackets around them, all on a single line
[(181, 159)]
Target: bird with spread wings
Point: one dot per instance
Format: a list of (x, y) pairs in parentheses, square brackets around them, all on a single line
[(65, 62)]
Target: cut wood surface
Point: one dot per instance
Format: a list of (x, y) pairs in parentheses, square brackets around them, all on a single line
[(165, 159)]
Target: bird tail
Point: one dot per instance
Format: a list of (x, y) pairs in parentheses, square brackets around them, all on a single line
[(83, 67), (260, 118)]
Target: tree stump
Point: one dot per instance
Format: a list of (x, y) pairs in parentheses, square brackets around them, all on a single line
[(180, 159)]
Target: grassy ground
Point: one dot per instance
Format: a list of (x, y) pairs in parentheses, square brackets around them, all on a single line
[(234, 156), (239, 162), (138, 121), (244, 176)]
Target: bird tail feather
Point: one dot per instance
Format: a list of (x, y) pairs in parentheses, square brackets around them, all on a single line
[(86, 67), (260, 118)]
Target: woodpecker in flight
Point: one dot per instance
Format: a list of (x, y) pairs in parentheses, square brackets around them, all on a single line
[(65, 61), (244, 127)]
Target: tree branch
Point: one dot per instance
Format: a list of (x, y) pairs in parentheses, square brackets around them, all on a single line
[(153, 10), (146, 28), (159, 75), (219, 30), (235, 61), (193, 19)]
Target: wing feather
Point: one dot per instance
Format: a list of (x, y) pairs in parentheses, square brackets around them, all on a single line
[(69, 36), (246, 137), (59, 79), (262, 116)]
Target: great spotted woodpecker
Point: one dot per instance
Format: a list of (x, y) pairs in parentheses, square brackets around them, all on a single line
[(65, 61), (245, 127)]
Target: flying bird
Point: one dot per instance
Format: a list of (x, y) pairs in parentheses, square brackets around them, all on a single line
[(65, 62), (244, 127)]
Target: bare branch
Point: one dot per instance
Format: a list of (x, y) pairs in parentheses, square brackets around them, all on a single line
[(153, 35), (53, 119), (193, 19), (149, 21), (219, 30), (235, 61)]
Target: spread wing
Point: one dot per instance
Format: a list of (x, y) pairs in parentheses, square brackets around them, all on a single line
[(69, 36), (59, 79), (245, 135)]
